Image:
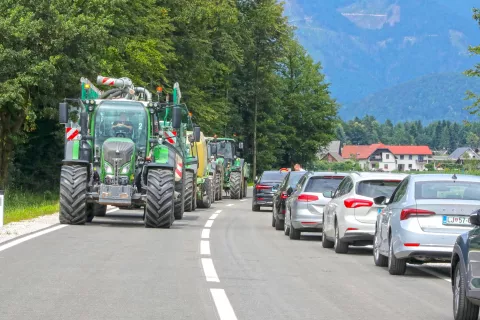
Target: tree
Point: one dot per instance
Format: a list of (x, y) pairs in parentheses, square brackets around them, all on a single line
[(474, 72)]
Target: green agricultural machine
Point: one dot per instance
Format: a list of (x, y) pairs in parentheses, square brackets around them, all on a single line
[(204, 181), (126, 150), (231, 169)]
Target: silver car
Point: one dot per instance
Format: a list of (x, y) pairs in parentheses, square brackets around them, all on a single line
[(304, 207), (349, 218), (423, 219)]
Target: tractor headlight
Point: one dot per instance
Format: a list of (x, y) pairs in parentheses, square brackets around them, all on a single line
[(108, 168), (126, 169)]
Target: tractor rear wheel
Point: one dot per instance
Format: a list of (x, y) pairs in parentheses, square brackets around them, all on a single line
[(218, 186), (159, 207), (213, 196), (235, 185), (194, 197), (221, 180), (245, 185), (179, 208), (205, 201), (73, 195), (188, 191)]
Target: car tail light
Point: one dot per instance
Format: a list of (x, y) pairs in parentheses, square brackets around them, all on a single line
[(308, 222), (283, 195), (409, 212), (262, 187), (411, 244), (261, 199), (352, 229), (307, 198), (357, 203)]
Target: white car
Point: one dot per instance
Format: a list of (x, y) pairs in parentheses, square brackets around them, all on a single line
[(350, 216)]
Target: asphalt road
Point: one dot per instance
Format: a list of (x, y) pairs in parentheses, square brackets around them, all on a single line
[(226, 262)]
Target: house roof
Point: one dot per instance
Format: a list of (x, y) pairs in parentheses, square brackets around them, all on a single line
[(363, 152), (458, 153), (335, 155), (333, 146)]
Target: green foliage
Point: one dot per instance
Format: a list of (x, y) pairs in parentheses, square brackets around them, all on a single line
[(345, 166), (22, 205), (475, 72)]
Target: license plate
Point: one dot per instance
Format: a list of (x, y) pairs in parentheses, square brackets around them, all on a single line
[(452, 220)]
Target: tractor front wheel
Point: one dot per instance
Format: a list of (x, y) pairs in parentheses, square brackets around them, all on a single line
[(188, 191), (73, 195), (160, 193), (205, 201), (235, 185)]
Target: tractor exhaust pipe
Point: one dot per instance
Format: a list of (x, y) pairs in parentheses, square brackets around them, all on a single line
[(147, 93)]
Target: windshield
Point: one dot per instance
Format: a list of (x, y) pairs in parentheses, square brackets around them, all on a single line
[(121, 119), (377, 188), (273, 176), (447, 190), (322, 184), (224, 149)]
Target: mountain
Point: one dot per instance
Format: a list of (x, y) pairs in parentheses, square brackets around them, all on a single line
[(369, 46)]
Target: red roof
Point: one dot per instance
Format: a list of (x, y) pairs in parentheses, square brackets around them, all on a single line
[(363, 152)]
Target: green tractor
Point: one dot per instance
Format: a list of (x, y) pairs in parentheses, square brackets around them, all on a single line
[(232, 170), (127, 150)]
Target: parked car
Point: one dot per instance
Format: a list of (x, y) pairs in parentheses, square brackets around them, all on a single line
[(465, 271), (350, 216), (306, 202), (279, 198), (265, 187), (423, 218)]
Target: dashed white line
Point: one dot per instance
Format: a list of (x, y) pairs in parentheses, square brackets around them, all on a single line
[(224, 308), (434, 273), (243, 200), (205, 247), (209, 270), (230, 204), (209, 224), (205, 233), (218, 211), (37, 234), (214, 216)]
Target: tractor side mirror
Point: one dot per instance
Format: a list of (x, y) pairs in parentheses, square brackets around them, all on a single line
[(84, 124), (214, 148), (240, 145), (63, 112), (177, 117), (196, 134)]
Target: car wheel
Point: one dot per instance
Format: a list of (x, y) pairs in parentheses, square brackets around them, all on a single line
[(255, 207), (379, 259), (286, 228), (273, 219), (325, 242), (339, 246), (294, 234), (463, 309), (396, 267), (279, 223)]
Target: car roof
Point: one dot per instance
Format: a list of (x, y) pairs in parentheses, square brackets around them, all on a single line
[(443, 177), (359, 176), (328, 173)]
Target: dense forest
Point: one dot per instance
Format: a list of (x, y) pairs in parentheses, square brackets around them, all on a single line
[(438, 135), (237, 61)]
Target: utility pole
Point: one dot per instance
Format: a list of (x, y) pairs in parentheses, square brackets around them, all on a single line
[(255, 120)]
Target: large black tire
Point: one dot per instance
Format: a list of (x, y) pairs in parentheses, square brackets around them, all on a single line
[(95, 210), (245, 185), (235, 185), (205, 201), (463, 309), (73, 195), (159, 207), (396, 267), (194, 198), (220, 184), (179, 207), (213, 180), (188, 191)]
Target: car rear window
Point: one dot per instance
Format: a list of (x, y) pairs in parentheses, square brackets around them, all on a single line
[(273, 176), (322, 184), (447, 190), (377, 188)]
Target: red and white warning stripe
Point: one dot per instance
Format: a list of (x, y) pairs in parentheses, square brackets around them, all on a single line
[(171, 136), (108, 81), (71, 133), (178, 171)]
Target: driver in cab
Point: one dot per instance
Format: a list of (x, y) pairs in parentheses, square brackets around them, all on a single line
[(123, 123)]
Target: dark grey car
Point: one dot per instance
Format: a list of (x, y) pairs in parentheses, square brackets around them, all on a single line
[(465, 272), (265, 187)]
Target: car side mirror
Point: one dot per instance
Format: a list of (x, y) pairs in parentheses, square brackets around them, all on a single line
[(328, 194), (381, 200), (63, 113), (289, 191), (475, 218), (176, 117), (196, 134)]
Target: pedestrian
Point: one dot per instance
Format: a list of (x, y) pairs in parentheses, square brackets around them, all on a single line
[(298, 167)]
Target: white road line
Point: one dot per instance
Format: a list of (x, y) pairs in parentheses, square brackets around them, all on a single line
[(205, 233), (214, 216), (37, 234), (218, 211), (209, 270), (243, 200), (434, 273), (230, 204), (209, 224), (205, 247), (224, 308)]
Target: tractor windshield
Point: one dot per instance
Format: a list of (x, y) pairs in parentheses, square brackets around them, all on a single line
[(225, 149), (121, 119)]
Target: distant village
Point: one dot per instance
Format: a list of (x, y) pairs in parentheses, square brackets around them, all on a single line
[(381, 157)]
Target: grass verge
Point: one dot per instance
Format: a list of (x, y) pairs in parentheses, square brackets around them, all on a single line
[(22, 205)]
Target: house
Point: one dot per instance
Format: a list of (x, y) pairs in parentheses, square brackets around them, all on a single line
[(465, 153), (389, 158), (331, 153)]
